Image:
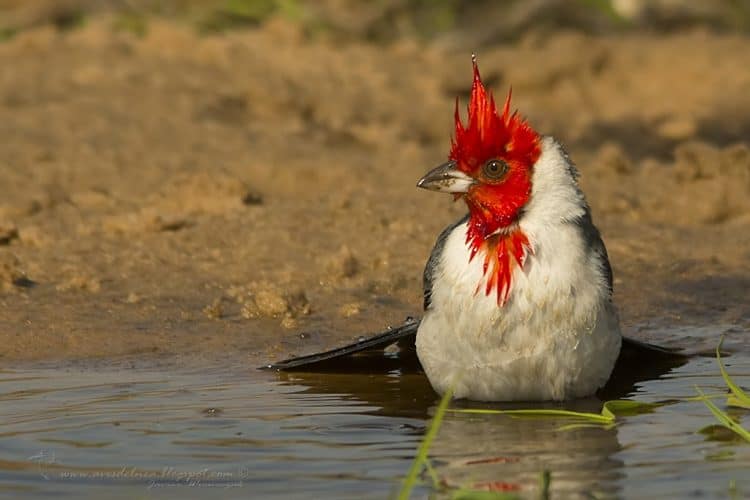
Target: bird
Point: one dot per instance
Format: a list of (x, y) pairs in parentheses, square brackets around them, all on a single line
[(518, 292)]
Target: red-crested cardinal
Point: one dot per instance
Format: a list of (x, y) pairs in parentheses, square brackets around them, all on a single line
[(518, 293)]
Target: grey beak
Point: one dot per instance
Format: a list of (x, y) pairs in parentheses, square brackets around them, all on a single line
[(447, 179)]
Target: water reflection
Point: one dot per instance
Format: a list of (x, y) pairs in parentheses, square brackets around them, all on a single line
[(503, 453), (486, 451), (493, 452)]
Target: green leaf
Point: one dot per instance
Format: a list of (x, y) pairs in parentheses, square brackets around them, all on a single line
[(738, 398), (627, 408), (725, 419), (717, 432)]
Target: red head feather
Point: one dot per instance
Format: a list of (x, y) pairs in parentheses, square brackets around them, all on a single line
[(495, 204), (489, 135)]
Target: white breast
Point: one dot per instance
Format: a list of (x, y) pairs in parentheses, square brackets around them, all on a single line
[(556, 338)]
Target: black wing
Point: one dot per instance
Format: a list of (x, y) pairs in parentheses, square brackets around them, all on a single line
[(405, 335)]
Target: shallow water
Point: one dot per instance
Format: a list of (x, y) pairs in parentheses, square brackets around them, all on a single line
[(135, 433)]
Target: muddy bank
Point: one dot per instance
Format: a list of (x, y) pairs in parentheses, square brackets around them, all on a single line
[(252, 194)]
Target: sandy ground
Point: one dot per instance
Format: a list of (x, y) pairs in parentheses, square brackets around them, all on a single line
[(253, 194)]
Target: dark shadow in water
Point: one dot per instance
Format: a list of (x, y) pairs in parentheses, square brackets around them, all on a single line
[(638, 363), (395, 385), (393, 394)]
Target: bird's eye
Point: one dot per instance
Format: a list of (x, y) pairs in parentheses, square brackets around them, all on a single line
[(494, 169)]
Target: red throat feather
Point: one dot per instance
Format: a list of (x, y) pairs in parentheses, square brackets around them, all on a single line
[(495, 204)]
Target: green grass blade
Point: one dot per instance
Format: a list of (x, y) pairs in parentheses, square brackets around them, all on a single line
[(586, 425), (739, 397), (433, 474), (707, 396), (732, 400), (544, 482), (592, 417), (626, 408), (610, 410), (725, 419), (424, 447)]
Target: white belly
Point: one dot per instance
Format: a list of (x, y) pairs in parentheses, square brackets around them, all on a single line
[(556, 338)]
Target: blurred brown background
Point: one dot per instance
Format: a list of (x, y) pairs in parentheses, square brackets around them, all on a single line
[(236, 178)]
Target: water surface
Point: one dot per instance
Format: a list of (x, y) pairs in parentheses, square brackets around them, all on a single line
[(165, 433)]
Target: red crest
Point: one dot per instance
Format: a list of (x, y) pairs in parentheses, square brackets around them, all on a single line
[(489, 134)]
